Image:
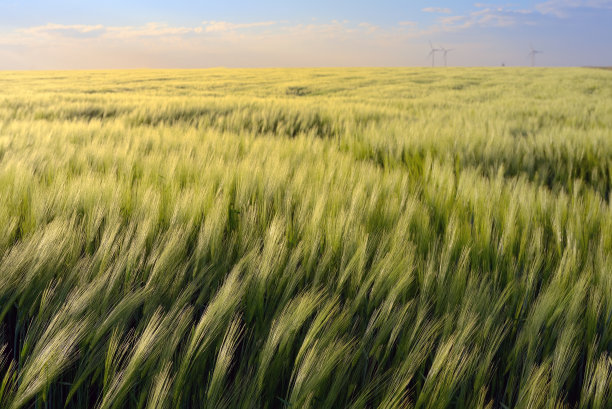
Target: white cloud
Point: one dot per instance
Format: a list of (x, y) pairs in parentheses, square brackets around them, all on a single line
[(63, 29), (262, 43), (153, 29), (370, 28), (484, 16), (149, 30), (563, 8), (212, 26), (212, 43), (439, 10)]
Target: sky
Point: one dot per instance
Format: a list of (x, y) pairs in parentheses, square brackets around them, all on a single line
[(70, 34)]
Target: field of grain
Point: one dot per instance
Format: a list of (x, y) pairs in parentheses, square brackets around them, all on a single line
[(315, 238)]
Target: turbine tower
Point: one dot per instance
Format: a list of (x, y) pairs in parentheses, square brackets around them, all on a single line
[(445, 51), (533, 53), (432, 54)]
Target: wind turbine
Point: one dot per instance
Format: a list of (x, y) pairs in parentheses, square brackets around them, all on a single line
[(445, 51), (432, 53), (533, 53)]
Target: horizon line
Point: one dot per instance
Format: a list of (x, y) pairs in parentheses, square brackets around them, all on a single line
[(304, 67)]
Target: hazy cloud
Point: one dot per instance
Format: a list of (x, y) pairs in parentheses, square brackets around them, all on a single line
[(149, 30), (212, 43), (76, 30), (440, 10), (563, 8), (269, 43), (153, 29), (212, 26), (486, 16), (370, 28)]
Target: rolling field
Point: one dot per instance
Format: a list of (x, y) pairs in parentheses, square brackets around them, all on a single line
[(317, 238)]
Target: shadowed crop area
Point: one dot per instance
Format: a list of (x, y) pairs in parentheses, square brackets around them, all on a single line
[(306, 238)]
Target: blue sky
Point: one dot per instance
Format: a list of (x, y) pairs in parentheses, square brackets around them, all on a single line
[(191, 34)]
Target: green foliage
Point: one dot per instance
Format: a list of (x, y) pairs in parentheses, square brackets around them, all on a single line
[(393, 238)]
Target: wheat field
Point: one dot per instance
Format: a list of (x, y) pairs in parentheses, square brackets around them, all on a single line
[(306, 238)]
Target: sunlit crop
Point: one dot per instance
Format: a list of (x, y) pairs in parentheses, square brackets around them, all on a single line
[(321, 238)]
